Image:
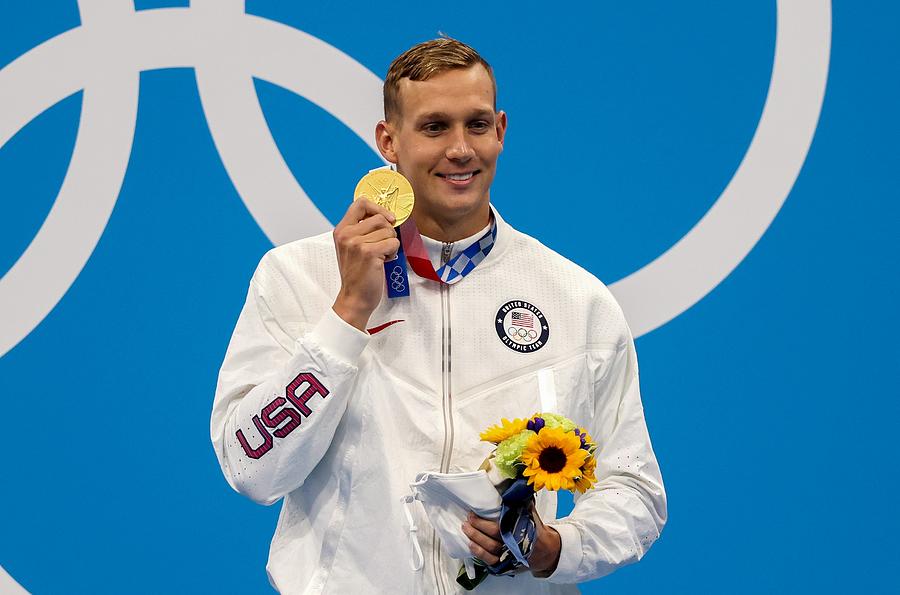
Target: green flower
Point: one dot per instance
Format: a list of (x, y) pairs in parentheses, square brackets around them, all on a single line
[(553, 421), (506, 457)]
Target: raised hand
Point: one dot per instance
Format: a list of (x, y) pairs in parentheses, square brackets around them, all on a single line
[(363, 240)]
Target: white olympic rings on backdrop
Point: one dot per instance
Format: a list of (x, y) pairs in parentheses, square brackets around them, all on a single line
[(228, 48), (104, 56), (698, 262)]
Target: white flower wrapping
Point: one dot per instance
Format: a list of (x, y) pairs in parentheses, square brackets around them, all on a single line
[(448, 498)]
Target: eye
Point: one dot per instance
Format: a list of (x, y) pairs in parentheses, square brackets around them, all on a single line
[(433, 128), (480, 126)]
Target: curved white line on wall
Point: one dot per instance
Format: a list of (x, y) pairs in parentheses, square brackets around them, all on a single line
[(295, 61), (30, 85), (696, 264), (9, 586), (66, 239), (83, 59)]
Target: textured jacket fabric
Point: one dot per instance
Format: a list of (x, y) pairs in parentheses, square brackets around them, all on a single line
[(337, 422)]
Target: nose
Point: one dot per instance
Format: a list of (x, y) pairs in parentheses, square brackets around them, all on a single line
[(459, 148)]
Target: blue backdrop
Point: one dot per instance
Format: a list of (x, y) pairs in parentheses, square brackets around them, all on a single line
[(771, 403)]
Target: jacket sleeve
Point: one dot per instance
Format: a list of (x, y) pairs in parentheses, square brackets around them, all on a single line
[(615, 522), (279, 400)]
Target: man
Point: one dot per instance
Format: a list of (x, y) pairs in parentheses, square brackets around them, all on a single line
[(334, 396)]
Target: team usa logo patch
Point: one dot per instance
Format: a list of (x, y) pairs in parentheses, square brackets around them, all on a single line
[(521, 326)]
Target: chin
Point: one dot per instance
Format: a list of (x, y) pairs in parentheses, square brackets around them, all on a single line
[(461, 209)]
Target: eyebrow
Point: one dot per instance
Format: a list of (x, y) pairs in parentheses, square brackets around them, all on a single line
[(444, 116)]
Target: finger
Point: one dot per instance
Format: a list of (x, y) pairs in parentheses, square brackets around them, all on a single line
[(483, 541), (348, 243), (379, 235), (354, 213), (488, 527), (370, 224), (385, 249), (483, 555), (362, 208), (359, 233)]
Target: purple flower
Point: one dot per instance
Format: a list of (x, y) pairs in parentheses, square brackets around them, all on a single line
[(581, 435), (535, 424)]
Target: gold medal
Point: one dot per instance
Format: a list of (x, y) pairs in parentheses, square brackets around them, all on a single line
[(388, 189)]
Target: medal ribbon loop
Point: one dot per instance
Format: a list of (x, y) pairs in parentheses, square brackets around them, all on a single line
[(453, 270)]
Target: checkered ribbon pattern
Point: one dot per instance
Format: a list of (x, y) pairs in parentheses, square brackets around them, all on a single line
[(458, 267)]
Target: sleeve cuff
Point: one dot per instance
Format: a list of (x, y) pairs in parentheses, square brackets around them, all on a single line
[(342, 340), (570, 554)]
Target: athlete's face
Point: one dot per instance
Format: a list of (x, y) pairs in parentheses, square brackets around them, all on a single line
[(446, 140)]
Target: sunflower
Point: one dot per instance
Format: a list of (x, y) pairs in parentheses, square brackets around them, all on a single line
[(553, 459), (506, 429), (587, 479)]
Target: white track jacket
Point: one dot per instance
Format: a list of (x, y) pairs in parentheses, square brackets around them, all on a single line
[(338, 422)]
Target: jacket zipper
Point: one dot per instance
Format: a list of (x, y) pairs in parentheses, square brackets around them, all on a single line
[(446, 251)]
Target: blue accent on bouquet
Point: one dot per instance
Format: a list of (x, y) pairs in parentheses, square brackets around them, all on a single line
[(517, 531), (517, 527)]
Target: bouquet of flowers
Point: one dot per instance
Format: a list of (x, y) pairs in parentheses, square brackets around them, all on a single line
[(548, 450), (545, 451)]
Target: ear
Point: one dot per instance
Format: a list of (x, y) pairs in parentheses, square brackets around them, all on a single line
[(501, 127), (384, 138)]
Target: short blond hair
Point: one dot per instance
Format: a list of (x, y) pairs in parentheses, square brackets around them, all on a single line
[(423, 61)]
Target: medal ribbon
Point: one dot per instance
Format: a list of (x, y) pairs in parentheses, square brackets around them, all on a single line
[(413, 249), (453, 270), (395, 274)]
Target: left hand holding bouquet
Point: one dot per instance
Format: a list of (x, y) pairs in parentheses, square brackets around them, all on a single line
[(487, 546), (505, 535), (546, 451)]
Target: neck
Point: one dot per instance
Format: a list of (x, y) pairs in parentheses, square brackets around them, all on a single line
[(450, 231)]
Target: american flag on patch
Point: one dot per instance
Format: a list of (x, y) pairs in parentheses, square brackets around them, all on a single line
[(522, 319)]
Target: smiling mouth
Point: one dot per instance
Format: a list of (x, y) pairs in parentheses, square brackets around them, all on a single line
[(460, 177)]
